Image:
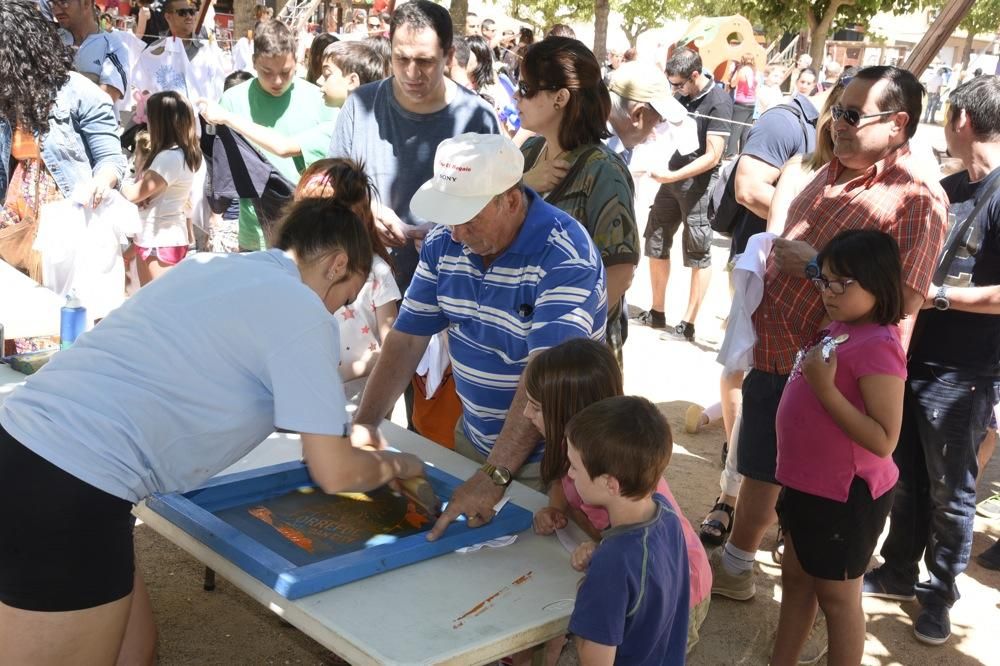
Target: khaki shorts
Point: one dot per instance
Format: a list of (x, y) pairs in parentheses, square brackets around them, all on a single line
[(530, 474), (696, 617)]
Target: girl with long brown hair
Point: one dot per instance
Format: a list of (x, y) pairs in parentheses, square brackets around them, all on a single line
[(163, 184)]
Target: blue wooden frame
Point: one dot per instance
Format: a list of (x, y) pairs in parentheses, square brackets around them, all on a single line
[(192, 512)]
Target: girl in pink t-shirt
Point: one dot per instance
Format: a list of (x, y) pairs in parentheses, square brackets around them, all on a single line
[(838, 422), (560, 382)]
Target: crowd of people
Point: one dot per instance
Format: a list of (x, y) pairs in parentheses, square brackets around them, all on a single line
[(398, 211)]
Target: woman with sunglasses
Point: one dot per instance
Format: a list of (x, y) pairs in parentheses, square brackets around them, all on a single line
[(562, 98), (56, 126)]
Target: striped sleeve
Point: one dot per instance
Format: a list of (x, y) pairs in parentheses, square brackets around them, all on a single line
[(572, 297)]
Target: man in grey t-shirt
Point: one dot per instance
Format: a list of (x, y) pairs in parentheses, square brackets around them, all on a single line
[(393, 127)]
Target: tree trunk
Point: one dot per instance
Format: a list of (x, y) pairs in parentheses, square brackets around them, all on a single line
[(243, 17), (459, 8), (819, 30), (601, 10), (967, 53)]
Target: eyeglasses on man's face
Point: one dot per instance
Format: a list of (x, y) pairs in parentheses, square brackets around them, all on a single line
[(853, 117), (184, 12), (677, 85)]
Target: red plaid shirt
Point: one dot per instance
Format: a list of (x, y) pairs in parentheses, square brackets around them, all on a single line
[(889, 196)]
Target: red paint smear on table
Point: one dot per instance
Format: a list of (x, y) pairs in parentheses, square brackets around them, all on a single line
[(487, 603)]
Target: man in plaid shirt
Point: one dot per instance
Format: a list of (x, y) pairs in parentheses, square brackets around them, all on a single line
[(872, 183)]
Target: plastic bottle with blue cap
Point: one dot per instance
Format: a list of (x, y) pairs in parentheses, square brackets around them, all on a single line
[(72, 321)]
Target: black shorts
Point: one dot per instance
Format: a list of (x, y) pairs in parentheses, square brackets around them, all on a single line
[(834, 540), (757, 453), (676, 203), (64, 545)]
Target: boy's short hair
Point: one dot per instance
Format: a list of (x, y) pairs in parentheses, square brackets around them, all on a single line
[(273, 38), (236, 78), (625, 437), (356, 58)]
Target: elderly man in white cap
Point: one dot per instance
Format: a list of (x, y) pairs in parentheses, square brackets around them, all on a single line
[(507, 275)]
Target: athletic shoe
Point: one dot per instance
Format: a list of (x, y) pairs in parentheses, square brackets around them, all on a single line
[(651, 318), (682, 331), (990, 558), (881, 584), (989, 507), (933, 626), (739, 587), (817, 643), (692, 419)]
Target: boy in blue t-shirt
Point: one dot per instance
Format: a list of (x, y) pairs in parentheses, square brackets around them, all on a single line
[(632, 606)]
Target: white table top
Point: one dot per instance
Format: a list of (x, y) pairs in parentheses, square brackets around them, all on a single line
[(27, 309), (411, 615)]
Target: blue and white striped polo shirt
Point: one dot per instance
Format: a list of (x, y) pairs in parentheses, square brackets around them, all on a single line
[(547, 287)]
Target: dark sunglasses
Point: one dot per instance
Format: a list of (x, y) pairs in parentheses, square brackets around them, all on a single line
[(852, 117), (186, 12), (527, 92)]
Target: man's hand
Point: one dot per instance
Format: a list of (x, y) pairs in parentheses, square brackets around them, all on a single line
[(418, 232), (791, 256), (390, 228), (548, 520), (98, 188), (367, 437), (546, 175), (582, 555), (212, 112), (663, 176), (475, 498)]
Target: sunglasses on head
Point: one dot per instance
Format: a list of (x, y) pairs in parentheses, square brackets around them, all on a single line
[(185, 12), (852, 117), (526, 91)]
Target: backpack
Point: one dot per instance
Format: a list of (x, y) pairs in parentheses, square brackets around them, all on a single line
[(723, 209)]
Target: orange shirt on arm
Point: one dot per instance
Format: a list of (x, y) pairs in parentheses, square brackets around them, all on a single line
[(889, 196)]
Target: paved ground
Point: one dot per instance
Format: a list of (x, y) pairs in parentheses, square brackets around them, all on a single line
[(227, 627)]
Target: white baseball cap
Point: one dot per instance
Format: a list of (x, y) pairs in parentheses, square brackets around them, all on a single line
[(469, 170)]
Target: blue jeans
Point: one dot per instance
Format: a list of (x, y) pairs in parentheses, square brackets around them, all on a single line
[(945, 416)]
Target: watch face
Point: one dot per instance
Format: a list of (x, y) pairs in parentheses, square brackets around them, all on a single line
[(501, 476), (812, 270), (942, 303)]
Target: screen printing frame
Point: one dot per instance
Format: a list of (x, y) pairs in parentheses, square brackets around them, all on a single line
[(192, 511)]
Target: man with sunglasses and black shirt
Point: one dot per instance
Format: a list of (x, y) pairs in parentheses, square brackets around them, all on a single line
[(685, 190), (873, 182), (952, 378)]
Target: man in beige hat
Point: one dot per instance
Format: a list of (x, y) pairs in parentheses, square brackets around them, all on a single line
[(640, 100), (507, 275)]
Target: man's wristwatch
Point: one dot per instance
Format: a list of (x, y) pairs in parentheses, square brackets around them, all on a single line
[(941, 301), (499, 474), (812, 269)]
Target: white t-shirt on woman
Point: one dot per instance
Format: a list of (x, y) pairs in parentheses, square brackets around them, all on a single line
[(164, 220)]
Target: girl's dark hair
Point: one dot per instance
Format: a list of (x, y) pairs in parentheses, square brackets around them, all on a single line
[(563, 380), (566, 63), (313, 228), (35, 65), (483, 75), (345, 181), (316, 51), (872, 258), (171, 122)]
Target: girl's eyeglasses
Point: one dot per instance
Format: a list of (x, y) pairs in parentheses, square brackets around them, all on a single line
[(527, 92), (836, 287), (852, 117)]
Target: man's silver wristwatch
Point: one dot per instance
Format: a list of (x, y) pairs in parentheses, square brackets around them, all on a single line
[(941, 301)]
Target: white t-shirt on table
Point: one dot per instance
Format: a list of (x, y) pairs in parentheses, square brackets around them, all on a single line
[(164, 221)]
